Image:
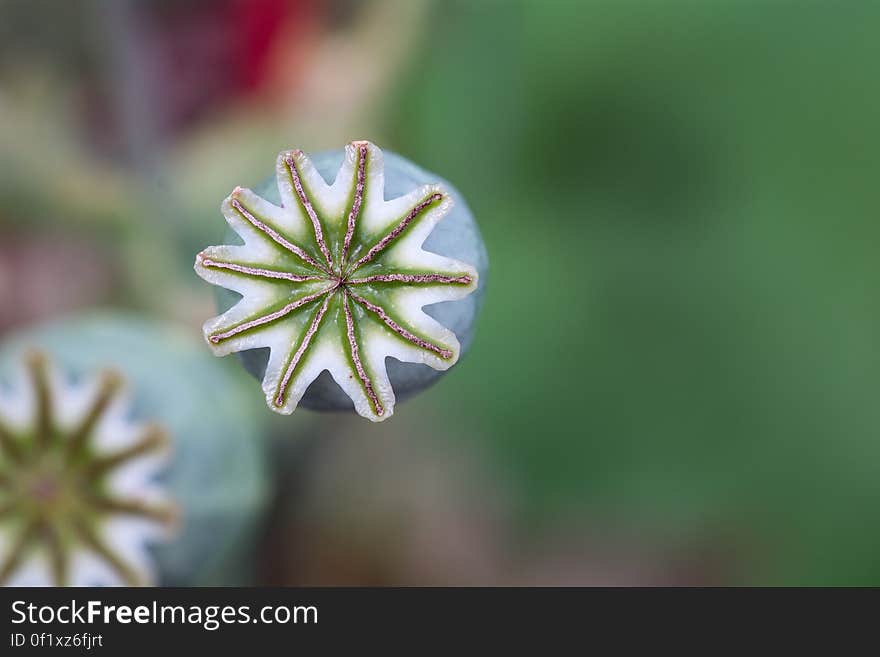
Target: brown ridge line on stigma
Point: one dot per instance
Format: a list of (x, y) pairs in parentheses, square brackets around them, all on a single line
[(58, 559), (154, 439), (355, 356), (394, 234), (257, 271), (411, 278), (9, 445), (162, 513), (18, 548), (310, 210), (265, 319), (402, 332), (94, 542), (37, 364), (273, 234), (307, 339), (108, 387), (358, 200)]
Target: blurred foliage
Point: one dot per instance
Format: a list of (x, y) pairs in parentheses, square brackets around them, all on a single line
[(680, 203)]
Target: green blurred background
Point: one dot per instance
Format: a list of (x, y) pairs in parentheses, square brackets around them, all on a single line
[(676, 372)]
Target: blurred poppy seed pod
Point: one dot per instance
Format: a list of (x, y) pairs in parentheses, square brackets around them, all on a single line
[(215, 472), (360, 279), (81, 501)]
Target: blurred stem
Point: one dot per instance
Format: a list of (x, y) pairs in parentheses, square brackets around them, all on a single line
[(134, 93), (155, 245)]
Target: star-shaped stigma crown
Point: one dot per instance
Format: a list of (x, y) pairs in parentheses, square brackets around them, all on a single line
[(335, 279), (79, 500)]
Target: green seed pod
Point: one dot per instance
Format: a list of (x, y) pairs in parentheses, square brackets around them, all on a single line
[(80, 500), (216, 472), (339, 259)]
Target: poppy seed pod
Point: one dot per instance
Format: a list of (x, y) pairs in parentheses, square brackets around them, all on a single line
[(360, 277), (215, 470), (81, 498)]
